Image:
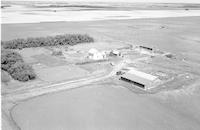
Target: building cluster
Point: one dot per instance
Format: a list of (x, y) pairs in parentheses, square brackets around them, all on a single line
[(94, 54)]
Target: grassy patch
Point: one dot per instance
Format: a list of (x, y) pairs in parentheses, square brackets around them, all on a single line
[(49, 60)]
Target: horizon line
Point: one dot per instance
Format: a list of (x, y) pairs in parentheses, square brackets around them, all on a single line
[(104, 1)]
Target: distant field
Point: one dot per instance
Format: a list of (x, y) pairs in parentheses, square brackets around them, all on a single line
[(36, 12), (103, 5), (167, 34)]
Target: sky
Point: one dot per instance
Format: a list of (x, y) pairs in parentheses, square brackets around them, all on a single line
[(157, 1)]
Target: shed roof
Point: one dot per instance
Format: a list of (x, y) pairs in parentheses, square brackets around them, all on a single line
[(142, 74), (140, 77)]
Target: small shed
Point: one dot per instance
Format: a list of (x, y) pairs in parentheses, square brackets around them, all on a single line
[(115, 53)]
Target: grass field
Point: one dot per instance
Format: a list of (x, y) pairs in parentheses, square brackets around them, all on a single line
[(61, 73)]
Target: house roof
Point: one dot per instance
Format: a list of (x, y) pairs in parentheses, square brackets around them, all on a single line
[(115, 52), (93, 51)]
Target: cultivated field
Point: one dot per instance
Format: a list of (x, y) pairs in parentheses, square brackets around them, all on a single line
[(110, 107)]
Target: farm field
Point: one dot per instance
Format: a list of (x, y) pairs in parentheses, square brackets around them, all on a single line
[(109, 104)]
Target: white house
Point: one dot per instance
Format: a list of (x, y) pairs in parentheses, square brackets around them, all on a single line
[(94, 54)]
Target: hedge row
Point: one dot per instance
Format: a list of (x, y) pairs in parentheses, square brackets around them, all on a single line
[(67, 39), (13, 63)]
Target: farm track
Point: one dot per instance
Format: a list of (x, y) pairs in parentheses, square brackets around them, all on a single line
[(12, 99)]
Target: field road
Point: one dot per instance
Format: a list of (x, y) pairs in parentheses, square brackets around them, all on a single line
[(21, 95), (11, 99)]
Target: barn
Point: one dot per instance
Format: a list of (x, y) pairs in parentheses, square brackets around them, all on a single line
[(140, 79)]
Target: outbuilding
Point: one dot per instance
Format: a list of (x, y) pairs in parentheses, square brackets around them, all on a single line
[(144, 50), (140, 79), (115, 53)]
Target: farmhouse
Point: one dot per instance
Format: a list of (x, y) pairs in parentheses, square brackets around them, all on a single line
[(94, 54), (140, 79)]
